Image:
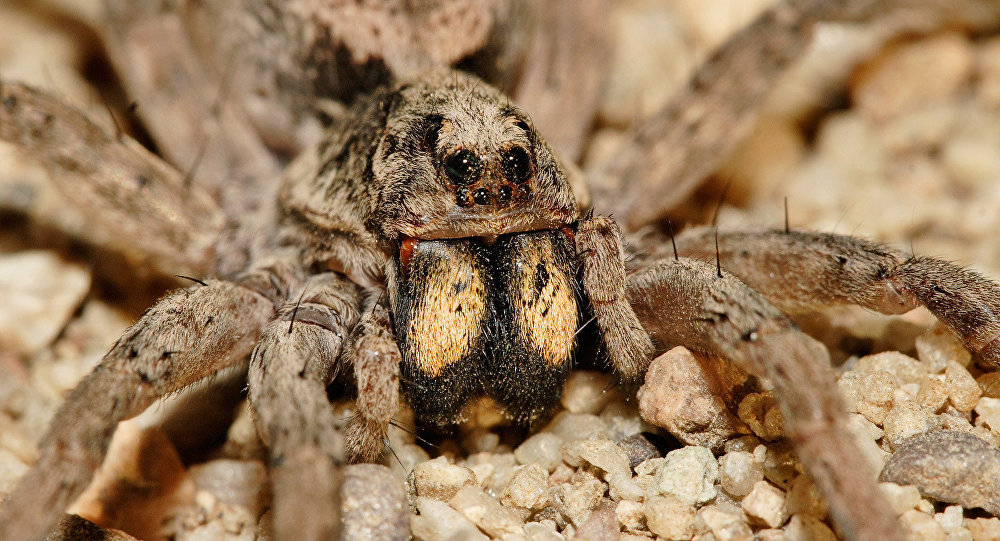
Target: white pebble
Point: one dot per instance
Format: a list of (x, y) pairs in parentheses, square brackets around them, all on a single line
[(537, 531), (988, 410), (767, 503), (963, 391), (689, 474), (588, 392), (542, 448), (903, 368), (440, 480), (40, 292), (939, 345), (922, 526), (951, 518), (528, 488), (726, 522), (577, 426), (738, 471), (606, 455), (907, 419), (580, 497), (901, 498), (436, 520), (670, 518), (486, 512)]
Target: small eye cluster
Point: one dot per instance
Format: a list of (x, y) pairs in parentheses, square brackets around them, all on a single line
[(464, 168)]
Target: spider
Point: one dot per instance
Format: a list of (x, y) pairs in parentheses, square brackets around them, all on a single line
[(432, 244)]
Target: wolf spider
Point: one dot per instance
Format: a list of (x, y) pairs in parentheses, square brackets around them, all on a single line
[(431, 243)]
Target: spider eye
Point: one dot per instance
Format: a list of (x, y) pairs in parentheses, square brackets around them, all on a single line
[(462, 167), (517, 165)]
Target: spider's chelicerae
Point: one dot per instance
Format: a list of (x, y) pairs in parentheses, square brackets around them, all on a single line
[(430, 246)]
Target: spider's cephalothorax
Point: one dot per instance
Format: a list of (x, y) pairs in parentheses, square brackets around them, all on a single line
[(473, 220)]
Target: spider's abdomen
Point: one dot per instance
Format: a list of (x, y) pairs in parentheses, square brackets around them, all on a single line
[(498, 320)]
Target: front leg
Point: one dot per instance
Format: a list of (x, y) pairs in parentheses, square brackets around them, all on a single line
[(375, 357), (289, 370), (686, 302), (599, 245), (803, 271)]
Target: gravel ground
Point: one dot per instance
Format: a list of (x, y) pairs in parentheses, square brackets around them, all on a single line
[(910, 156)]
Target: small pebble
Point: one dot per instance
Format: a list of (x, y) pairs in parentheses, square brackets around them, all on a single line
[(988, 412), (738, 472), (543, 448), (901, 498), (600, 526), (921, 526), (726, 522), (766, 503), (933, 393), (951, 518), (236, 482), (630, 514), (528, 488), (963, 391), (588, 392), (780, 465), (638, 449), (609, 457), (903, 368), (40, 291), (762, 414), (807, 528), (990, 384), (949, 466), (913, 74), (440, 479), (939, 345), (486, 512), (538, 531), (874, 395), (373, 504), (679, 396), (670, 518), (577, 426), (11, 469), (689, 474), (771, 534), (983, 529), (436, 520), (580, 496), (905, 420)]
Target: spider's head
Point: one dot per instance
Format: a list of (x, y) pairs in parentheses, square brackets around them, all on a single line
[(456, 159)]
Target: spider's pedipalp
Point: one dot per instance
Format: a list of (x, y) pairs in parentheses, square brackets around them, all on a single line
[(686, 303), (128, 199), (376, 359), (289, 370), (186, 337), (803, 271), (604, 282)]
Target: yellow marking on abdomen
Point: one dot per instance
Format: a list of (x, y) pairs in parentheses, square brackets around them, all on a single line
[(448, 316)]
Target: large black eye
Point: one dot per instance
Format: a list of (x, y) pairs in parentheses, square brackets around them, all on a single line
[(517, 165), (462, 167)]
